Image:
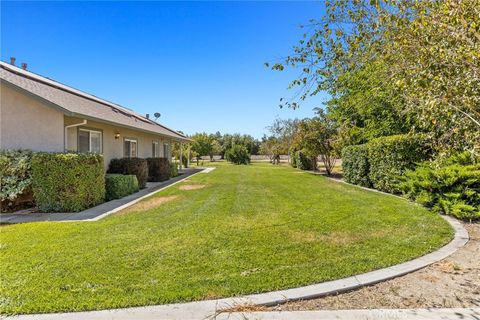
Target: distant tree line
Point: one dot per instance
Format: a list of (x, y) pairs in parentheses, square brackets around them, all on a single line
[(217, 144)]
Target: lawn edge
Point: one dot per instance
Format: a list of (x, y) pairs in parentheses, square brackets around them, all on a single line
[(209, 309)]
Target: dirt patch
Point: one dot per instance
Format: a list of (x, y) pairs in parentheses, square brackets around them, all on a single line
[(246, 308), (451, 283), (191, 186), (148, 204)]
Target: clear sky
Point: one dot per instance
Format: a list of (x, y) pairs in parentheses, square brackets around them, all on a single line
[(200, 64)]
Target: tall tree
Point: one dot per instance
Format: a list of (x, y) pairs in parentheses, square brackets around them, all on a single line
[(430, 50)]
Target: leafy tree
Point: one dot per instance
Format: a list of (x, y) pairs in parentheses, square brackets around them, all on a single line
[(282, 134), (215, 149), (316, 137), (202, 145), (428, 55)]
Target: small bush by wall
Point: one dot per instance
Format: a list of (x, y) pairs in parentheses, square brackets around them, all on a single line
[(389, 157), (304, 161), (119, 185), (450, 187), (238, 154), (15, 179), (136, 166), (67, 182), (173, 170), (158, 169), (355, 165)]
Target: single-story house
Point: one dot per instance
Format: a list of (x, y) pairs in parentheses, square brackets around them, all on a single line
[(41, 114)]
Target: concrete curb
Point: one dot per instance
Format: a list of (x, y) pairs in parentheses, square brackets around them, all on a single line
[(211, 309)]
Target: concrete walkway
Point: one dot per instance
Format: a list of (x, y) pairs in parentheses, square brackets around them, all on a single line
[(374, 314), (102, 210), (210, 309)]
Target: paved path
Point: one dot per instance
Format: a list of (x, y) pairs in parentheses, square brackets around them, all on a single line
[(171, 313), (102, 210), (375, 314)]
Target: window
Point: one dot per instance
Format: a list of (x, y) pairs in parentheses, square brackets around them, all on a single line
[(166, 150), (130, 148), (155, 149), (89, 141)]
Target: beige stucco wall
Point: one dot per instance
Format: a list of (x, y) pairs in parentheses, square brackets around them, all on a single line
[(27, 123), (113, 148)]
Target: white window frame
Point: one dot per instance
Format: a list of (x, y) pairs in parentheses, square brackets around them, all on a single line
[(155, 149), (166, 146), (136, 148), (90, 139)]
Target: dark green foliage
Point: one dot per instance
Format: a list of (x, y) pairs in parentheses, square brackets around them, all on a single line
[(355, 165), (293, 158), (173, 170), (304, 161), (67, 182), (119, 185), (158, 169), (451, 187), (389, 157), (238, 154), (15, 178), (136, 166)]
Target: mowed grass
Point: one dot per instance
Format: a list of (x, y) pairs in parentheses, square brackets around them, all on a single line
[(240, 230)]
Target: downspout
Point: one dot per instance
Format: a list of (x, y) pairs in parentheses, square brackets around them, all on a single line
[(65, 139)]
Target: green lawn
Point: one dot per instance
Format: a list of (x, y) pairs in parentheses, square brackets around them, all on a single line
[(251, 229)]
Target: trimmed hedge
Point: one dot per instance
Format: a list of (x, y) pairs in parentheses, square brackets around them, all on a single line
[(158, 169), (304, 161), (136, 166), (381, 162), (389, 157), (293, 158), (173, 169), (15, 179), (67, 182), (355, 165), (450, 187), (119, 185)]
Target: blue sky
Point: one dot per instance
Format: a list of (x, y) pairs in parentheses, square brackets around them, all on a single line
[(200, 64)]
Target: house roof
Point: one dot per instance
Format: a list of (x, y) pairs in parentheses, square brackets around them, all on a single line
[(77, 103)]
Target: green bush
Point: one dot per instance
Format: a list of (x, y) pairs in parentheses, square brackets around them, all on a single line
[(158, 169), (119, 185), (136, 166), (15, 178), (305, 161), (67, 182), (293, 158), (389, 157), (173, 169), (355, 165), (238, 154), (450, 187)]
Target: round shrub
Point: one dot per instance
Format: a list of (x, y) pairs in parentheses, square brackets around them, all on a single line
[(119, 185), (450, 187), (238, 154), (173, 169), (136, 166)]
